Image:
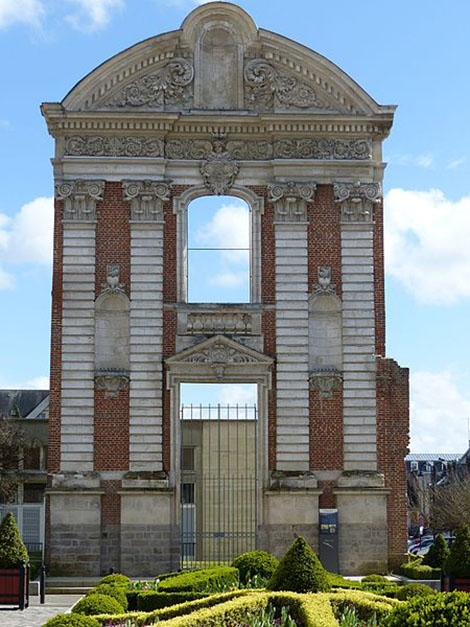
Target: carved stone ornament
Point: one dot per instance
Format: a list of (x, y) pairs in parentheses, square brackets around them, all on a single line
[(326, 381), (165, 88), (112, 285), (219, 170), (112, 381), (324, 285), (80, 198), (267, 89), (223, 322), (357, 201), (291, 200), (218, 356), (319, 148), (146, 198)]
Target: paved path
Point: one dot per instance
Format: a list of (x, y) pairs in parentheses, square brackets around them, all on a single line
[(36, 615)]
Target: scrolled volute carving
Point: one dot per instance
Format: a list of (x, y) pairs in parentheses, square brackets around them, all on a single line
[(146, 198), (167, 87), (326, 381), (267, 88), (112, 381), (291, 200), (80, 198), (357, 201)]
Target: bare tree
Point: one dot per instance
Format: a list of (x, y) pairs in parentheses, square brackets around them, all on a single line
[(450, 503), (11, 457)]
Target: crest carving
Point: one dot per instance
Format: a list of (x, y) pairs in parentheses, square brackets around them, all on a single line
[(266, 88), (112, 381), (171, 85), (325, 382), (112, 285), (324, 285), (219, 355), (219, 170)]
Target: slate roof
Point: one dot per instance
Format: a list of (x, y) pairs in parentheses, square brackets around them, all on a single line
[(433, 457), (20, 403)]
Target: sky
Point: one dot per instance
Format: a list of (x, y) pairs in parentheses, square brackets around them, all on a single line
[(414, 54)]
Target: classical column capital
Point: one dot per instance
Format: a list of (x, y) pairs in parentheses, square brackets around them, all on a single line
[(291, 199), (80, 198), (146, 198), (357, 200)]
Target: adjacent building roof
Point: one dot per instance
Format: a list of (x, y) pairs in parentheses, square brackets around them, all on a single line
[(23, 403), (433, 457)]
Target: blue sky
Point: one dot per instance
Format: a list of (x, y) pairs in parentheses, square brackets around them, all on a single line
[(414, 54)]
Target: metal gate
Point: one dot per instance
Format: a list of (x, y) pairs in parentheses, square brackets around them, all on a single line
[(219, 483)]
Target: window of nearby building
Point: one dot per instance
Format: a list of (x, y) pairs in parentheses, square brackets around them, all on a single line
[(218, 251), (32, 458), (188, 458), (187, 494)]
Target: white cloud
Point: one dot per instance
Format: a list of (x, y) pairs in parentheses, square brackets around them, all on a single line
[(230, 228), (36, 383), (26, 237), (234, 394), (425, 160), (228, 279), (93, 14), (456, 163), (23, 11), (426, 244), (439, 414)]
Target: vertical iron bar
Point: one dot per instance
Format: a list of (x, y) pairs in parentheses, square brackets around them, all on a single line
[(255, 415)]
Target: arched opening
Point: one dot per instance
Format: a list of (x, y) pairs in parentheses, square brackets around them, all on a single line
[(218, 250)]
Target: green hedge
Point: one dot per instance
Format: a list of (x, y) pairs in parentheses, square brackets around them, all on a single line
[(366, 604), (149, 601), (72, 620), (110, 590), (206, 580), (404, 593), (337, 581), (97, 604), (415, 570), (116, 579), (255, 563), (437, 610)]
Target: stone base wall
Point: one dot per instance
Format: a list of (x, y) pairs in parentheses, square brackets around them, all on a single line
[(149, 550)]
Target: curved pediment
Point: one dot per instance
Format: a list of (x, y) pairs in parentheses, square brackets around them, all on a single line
[(219, 61)]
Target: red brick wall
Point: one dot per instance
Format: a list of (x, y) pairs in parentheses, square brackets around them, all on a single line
[(53, 451), (113, 245), (392, 446), (110, 503), (324, 249)]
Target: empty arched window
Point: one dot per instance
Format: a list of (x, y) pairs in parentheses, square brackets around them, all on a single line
[(218, 250)]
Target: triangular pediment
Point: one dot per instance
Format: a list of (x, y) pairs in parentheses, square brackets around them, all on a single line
[(219, 350)]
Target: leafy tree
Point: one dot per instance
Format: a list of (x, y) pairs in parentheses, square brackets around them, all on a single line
[(11, 454), (458, 560), (438, 553), (300, 570), (12, 550)]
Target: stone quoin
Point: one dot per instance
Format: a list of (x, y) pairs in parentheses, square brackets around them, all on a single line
[(220, 107)]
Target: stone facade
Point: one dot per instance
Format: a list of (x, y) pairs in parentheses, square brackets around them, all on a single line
[(220, 107)]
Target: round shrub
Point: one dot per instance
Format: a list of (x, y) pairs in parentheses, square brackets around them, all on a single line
[(375, 579), (12, 550), (458, 560), (97, 604), (116, 592), (452, 609), (413, 590), (116, 579), (255, 563), (300, 570), (438, 553), (72, 620)]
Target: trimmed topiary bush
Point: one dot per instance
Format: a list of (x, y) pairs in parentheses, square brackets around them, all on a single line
[(437, 554), (204, 580), (149, 601), (72, 620), (12, 550), (97, 604), (300, 570), (415, 570), (115, 592), (255, 563), (411, 590), (116, 579), (457, 563), (337, 581), (438, 610), (375, 579)]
